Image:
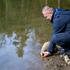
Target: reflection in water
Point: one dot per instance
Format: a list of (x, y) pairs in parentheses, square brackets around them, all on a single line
[(31, 37), (10, 42), (30, 52), (31, 42), (12, 39), (20, 51), (2, 41), (31, 59)]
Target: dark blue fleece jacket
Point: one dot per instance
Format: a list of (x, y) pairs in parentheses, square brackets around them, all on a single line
[(61, 21)]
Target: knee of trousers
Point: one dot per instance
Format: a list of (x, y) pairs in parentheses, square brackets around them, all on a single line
[(55, 39)]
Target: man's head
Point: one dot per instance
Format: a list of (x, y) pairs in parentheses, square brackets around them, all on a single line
[(47, 12)]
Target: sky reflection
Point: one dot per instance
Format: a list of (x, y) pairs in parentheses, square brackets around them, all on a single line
[(15, 56)]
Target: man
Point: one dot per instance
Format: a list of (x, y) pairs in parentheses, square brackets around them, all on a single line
[(60, 20)]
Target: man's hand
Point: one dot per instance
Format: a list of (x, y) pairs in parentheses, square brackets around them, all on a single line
[(46, 53)]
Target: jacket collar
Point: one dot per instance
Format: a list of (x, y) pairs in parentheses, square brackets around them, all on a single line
[(53, 15)]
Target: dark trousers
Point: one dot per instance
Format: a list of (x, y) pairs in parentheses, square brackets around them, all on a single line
[(62, 39)]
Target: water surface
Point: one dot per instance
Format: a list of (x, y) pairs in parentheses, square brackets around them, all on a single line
[(16, 56)]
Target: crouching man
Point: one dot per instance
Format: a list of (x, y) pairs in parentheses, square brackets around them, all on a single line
[(60, 19)]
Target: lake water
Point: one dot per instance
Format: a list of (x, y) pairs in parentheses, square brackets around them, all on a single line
[(15, 55)]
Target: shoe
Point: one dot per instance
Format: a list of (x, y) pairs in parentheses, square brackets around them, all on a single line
[(55, 50), (68, 53), (61, 51)]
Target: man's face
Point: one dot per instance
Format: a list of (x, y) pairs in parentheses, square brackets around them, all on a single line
[(47, 14)]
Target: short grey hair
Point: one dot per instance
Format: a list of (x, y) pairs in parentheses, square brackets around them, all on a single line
[(45, 8)]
